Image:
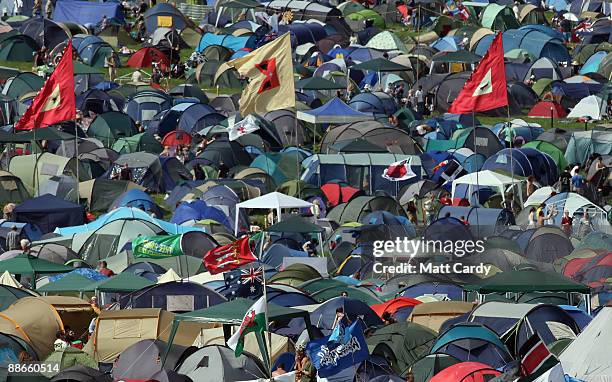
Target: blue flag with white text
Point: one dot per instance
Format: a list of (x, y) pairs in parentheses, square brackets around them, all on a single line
[(330, 357)]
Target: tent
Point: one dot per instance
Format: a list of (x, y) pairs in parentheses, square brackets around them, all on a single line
[(173, 296), (592, 107), (401, 344), (490, 179), (583, 144), (145, 354), (359, 207), (145, 57), (334, 111), (116, 330), (273, 200), (144, 105), (547, 109), (86, 13), (434, 314), (586, 358), (48, 212), (165, 15), (12, 189), (17, 47), (101, 193), (466, 372), (221, 365), (527, 281), (35, 170)]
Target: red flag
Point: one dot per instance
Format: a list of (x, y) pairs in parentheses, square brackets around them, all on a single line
[(56, 101), (486, 88), (228, 257)]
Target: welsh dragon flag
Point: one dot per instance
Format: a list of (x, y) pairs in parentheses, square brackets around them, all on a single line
[(254, 321)]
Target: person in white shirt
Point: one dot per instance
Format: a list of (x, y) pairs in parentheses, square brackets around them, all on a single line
[(420, 99)]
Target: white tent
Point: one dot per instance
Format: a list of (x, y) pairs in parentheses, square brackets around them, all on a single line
[(539, 196), (169, 276), (491, 179), (588, 357), (591, 106), (273, 200), (8, 279)]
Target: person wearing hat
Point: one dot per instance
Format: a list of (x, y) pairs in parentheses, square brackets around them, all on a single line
[(12, 238)]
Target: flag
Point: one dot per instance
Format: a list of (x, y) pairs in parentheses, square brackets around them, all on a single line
[(534, 355), (246, 283), (228, 257), (269, 70), (244, 127), (56, 101), (331, 357), (254, 321), (464, 13), (399, 171), (486, 87), (157, 247)]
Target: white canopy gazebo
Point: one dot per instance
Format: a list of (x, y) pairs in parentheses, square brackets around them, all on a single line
[(488, 178), (273, 200)]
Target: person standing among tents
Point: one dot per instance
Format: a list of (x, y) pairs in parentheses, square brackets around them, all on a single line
[(109, 62), (566, 223), (12, 239), (420, 100), (531, 187), (565, 180)]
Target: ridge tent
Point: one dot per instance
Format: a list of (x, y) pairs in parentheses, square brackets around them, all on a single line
[(334, 111), (273, 200), (173, 296), (35, 170), (102, 193), (487, 178), (165, 15)]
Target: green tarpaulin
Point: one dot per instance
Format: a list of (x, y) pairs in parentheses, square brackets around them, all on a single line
[(125, 282), (381, 65), (317, 83), (71, 283), (527, 281)]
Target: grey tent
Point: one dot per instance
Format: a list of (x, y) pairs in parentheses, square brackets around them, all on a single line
[(139, 361), (218, 363)]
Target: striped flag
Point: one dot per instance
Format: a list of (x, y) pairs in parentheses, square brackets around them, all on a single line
[(534, 355)]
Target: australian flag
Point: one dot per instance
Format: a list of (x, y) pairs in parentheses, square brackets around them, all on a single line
[(246, 283)]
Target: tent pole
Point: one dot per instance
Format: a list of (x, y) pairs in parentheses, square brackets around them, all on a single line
[(76, 151), (268, 345)]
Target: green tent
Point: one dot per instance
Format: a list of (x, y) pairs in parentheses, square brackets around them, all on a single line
[(349, 7), (527, 280), (401, 344), (9, 294), (29, 265), (295, 224), (499, 18), (137, 143), (295, 274), (69, 357), (387, 40), (555, 153), (541, 85), (280, 166), (125, 282), (430, 365), (319, 284), (361, 294), (23, 83), (359, 145), (405, 116), (380, 65), (368, 14), (18, 47), (300, 189), (110, 126), (317, 83), (70, 283)]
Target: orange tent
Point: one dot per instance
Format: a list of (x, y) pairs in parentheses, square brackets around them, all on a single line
[(394, 305)]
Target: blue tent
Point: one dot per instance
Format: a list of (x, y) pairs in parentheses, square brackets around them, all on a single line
[(227, 40), (164, 15), (89, 273), (199, 210), (48, 212), (378, 103), (592, 64), (197, 116), (223, 198), (534, 41), (473, 342), (334, 111), (524, 162), (144, 105), (87, 12), (304, 32), (576, 91), (138, 199), (451, 291), (176, 296), (544, 29), (124, 213), (445, 44), (277, 252), (324, 316)]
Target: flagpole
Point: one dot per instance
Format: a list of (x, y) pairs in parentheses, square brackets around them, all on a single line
[(76, 150), (268, 345)]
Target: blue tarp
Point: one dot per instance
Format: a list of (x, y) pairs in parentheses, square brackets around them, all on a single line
[(85, 12), (232, 42), (336, 111), (124, 213)]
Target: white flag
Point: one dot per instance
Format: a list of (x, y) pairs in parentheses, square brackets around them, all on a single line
[(399, 171), (246, 126)]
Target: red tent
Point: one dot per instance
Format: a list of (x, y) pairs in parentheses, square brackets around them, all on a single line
[(337, 193), (145, 57), (394, 305), (176, 138), (466, 372), (543, 109)]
